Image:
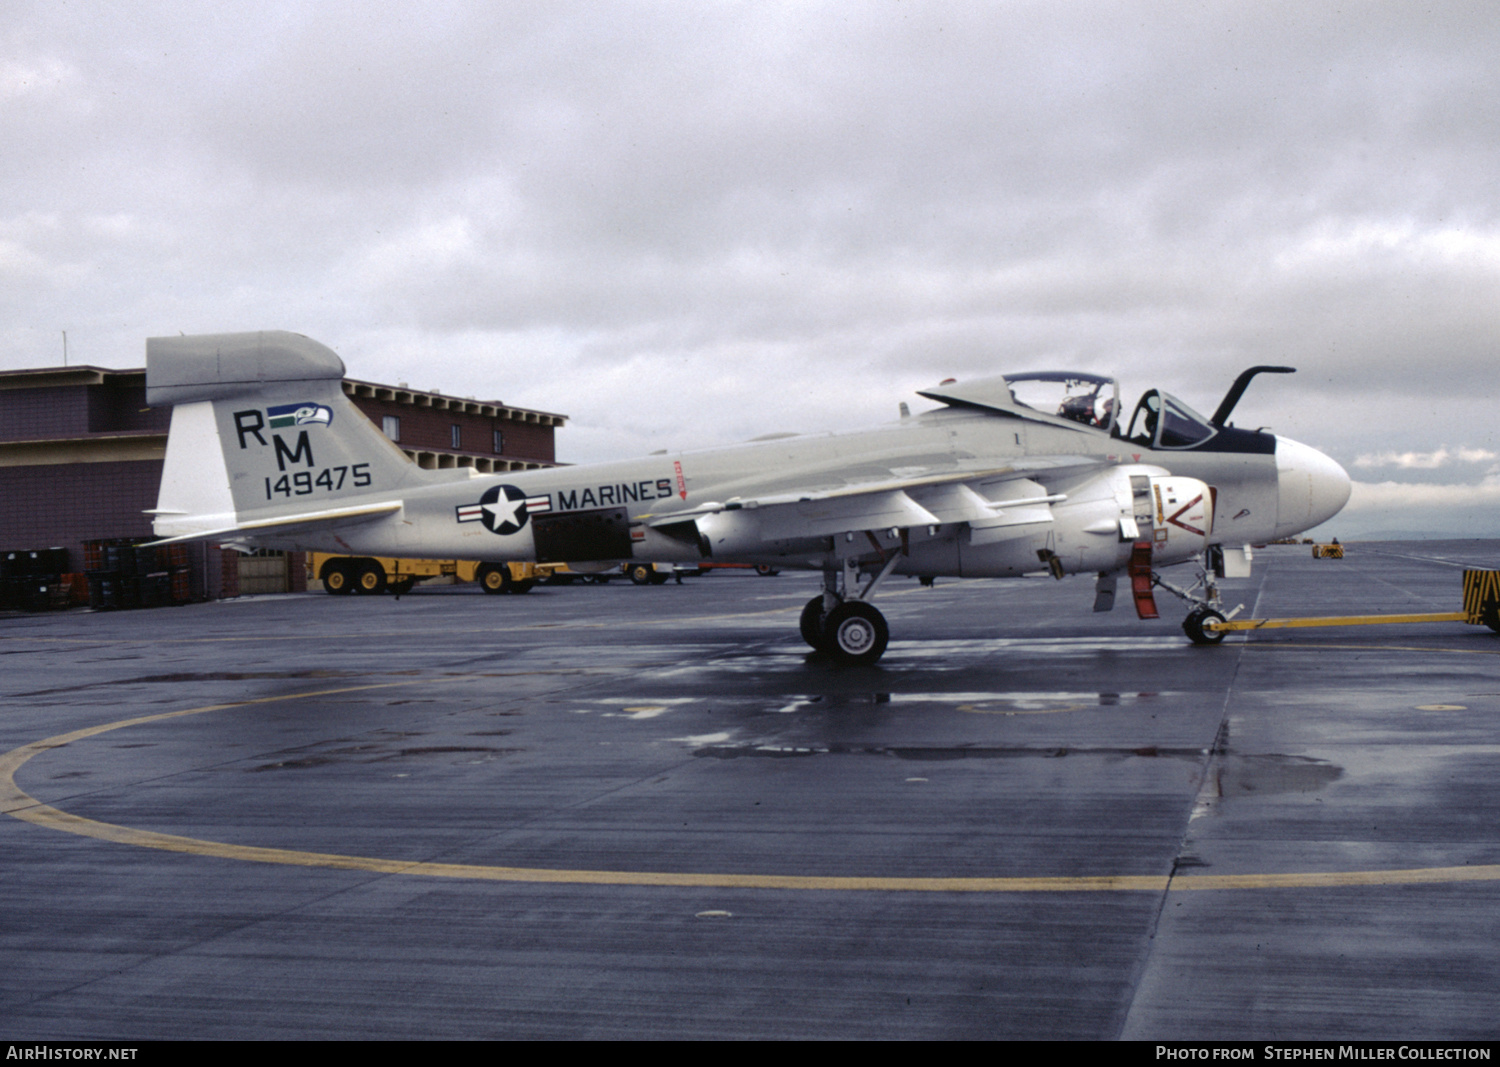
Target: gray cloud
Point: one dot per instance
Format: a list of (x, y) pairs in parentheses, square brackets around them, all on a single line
[(698, 222)]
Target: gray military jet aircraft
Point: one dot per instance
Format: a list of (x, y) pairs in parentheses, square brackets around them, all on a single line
[(1011, 475)]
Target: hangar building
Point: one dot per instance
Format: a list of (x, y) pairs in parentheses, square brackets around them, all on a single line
[(81, 459)]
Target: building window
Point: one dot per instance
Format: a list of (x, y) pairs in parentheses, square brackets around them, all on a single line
[(391, 424), (499, 440), (458, 436)]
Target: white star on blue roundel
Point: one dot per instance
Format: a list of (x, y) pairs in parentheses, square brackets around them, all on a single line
[(503, 509)]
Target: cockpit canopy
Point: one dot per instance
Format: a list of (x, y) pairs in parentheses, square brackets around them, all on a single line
[(1163, 421), (1083, 398), (1160, 420)]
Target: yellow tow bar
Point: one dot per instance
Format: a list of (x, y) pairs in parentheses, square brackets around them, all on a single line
[(1332, 620), (1481, 608)]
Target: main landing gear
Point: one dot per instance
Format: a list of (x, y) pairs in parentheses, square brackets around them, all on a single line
[(845, 625)]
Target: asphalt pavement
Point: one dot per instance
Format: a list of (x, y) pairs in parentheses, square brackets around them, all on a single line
[(652, 812)]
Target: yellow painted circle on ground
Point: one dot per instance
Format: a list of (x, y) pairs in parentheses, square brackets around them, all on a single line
[(17, 803)]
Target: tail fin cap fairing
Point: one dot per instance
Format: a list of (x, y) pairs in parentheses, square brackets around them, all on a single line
[(181, 370)]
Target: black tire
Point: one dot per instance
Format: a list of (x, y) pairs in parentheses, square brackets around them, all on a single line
[(1490, 616), (765, 570), (660, 577), (640, 573), (402, 586), (369, 579), (1194, 628), (523, 586), (856, 633), (811, 624), (493, 577), (338, 579)]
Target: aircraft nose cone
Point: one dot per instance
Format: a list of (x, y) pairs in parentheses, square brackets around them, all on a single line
[(1310, 487)]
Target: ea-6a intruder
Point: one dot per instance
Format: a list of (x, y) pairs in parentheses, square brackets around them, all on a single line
[(1011, 475)]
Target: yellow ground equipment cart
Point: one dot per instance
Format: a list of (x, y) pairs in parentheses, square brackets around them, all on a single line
[(379, 574)]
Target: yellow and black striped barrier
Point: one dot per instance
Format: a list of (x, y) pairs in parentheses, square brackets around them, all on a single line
[(1481, 608), (1333, 551), (1482, 598)]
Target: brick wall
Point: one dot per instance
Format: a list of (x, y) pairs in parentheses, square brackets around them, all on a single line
[(70, 504), (116, 407), (430, 428), (51, 411)]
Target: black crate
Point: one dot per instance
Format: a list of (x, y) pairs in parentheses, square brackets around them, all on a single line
[(37, 592)]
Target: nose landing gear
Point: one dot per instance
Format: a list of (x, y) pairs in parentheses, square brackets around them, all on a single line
[(1207, 609), (1196, 626)]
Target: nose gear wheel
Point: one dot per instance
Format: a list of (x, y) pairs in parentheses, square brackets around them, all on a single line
[(1194, 627)]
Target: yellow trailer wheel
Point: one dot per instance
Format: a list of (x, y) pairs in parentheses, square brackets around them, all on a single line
[(337, 580), (493, 577), (371, 579)]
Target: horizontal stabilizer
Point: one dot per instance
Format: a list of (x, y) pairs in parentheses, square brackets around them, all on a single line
[(284, 524)]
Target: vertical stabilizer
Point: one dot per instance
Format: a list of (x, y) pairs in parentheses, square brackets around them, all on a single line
[(194, 495), (261, 428)]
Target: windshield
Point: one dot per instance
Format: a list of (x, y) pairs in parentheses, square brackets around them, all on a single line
[(1163, 421), (1083, 398)]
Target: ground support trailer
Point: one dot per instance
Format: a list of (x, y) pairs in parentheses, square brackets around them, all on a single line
[(369, 575)]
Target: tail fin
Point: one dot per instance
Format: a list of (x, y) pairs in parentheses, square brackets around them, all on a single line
[(263, 437)]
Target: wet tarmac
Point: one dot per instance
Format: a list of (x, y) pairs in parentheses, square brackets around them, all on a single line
[(616, 812)]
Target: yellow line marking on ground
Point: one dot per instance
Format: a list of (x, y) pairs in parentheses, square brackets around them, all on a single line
[(1275, 644), (1316, 879), (19, 804)]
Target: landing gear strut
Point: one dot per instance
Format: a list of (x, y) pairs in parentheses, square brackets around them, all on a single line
[(844, 624), (1207, 608)]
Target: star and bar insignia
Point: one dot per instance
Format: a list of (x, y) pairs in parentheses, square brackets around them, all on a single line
[(503, 509)]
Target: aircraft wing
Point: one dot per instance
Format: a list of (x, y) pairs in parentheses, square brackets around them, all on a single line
[(329, 519), (927, 499)]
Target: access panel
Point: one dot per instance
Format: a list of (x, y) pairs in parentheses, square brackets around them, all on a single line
[(582, 536)]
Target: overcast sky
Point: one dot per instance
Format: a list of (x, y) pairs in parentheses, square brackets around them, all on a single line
[(687, 224)]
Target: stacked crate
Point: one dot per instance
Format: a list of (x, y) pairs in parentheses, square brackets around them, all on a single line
[(31, 579), (126, 573)]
